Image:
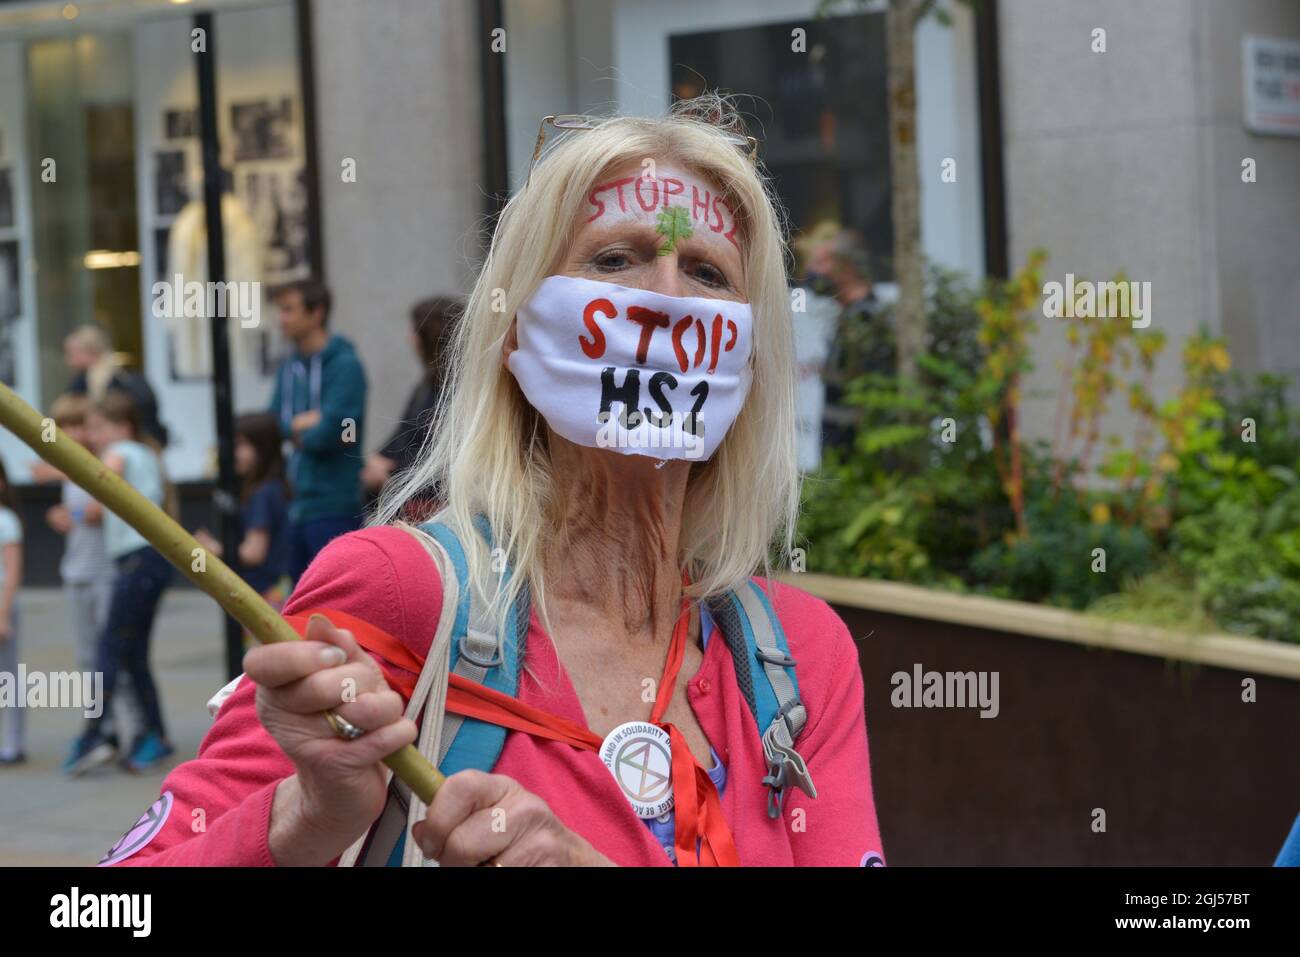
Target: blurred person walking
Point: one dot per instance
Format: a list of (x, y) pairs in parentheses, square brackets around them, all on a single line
[(114, 432), (838, 266), (88, 353), (320, 404), (86, 570), (12, 719), (431, 322)]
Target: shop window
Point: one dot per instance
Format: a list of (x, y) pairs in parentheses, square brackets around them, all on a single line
[(101, 197), (820, 114), (81, 184)]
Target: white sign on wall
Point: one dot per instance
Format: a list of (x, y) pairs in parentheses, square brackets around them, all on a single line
[(1271, 84)]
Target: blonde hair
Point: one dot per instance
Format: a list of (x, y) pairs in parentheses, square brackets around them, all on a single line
[(93, 338), (486, 450)]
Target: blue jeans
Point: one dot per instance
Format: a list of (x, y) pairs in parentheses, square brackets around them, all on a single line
[(142, 576), (306, 539)]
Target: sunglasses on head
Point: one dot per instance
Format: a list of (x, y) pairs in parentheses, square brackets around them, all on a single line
[(565, 122)]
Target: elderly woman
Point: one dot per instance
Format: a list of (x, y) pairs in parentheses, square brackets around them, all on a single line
[(619, 434)]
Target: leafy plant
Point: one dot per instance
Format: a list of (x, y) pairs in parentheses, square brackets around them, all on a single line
[(1244, 550), (1165, 598), (1059, 563), (1197, 519)]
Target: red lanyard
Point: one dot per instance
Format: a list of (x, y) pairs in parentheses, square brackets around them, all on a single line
[(698, 809)]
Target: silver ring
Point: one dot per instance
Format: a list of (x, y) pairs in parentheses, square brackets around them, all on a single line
[(342, 727)]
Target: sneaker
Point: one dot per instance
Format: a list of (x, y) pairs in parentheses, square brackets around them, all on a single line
[(148, 751), (89, 752), (9, 760)]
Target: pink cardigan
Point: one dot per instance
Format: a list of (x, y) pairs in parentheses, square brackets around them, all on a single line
[(384, 576)]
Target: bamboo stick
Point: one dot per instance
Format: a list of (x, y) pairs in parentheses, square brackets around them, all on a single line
[(180, 548)]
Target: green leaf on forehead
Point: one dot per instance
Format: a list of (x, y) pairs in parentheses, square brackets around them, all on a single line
[(674, 224)]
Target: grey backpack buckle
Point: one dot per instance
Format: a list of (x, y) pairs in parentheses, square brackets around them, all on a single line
[(774, 657), (775, 782), (485, 651)]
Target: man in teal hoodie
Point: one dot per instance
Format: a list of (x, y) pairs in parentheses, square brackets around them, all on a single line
[(320, 400)]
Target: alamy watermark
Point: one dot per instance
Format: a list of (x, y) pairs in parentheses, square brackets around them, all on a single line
[(623, 429), (54, 689), (946, 689), (133, 912), (1098, 300), (179, 299)]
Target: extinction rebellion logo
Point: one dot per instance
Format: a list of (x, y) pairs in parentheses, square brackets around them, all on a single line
[(639, 756)]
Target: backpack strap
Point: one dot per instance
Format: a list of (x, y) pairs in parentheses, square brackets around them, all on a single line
[(754, 635), (480, 656), (384, 842), (745, 618), (466, 644)]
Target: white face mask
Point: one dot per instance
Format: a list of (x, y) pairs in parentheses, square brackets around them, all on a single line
[(631, 370)]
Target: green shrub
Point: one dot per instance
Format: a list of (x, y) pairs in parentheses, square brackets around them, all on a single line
[(1245, 560), (1199, 519), (1056, 565), (1165, 598)]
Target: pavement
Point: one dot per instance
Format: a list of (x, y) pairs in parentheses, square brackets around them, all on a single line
[(47, 818)]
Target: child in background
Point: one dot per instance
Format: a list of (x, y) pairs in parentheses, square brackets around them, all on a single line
[(86, 569), (113, 432), (264, 510), (11, 577)]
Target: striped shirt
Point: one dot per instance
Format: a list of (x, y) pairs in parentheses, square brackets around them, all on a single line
[(85, 556)]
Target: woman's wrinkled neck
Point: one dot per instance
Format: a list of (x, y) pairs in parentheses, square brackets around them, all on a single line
[(615, 545)]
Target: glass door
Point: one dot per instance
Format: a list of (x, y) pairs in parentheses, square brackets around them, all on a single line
[(82, 189)]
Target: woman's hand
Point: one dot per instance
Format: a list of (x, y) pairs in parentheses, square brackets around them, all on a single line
[(477, 818), (340, 786)]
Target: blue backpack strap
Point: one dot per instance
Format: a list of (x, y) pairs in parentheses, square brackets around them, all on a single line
[(480, 652), (766, 675), (477, 655)]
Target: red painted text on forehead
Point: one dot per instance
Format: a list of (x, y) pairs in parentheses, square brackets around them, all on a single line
[(647, 197)]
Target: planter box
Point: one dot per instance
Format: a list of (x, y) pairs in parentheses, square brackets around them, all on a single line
[(1145, 725)]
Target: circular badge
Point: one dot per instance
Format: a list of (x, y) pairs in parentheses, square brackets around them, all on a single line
[(639, 756), (142, 831)]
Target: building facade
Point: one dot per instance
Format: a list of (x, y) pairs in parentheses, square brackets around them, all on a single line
[(370, 141)]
